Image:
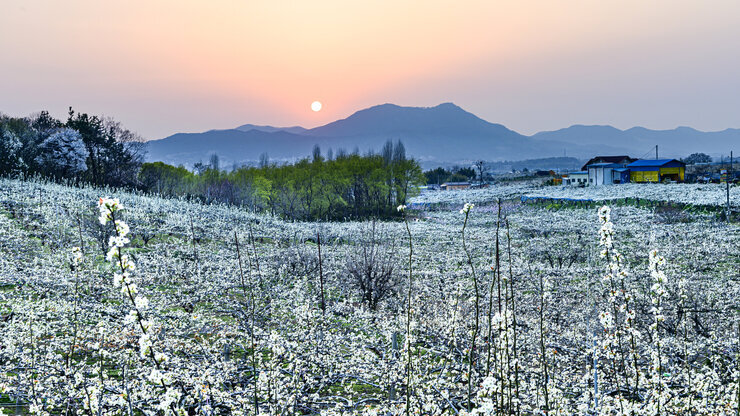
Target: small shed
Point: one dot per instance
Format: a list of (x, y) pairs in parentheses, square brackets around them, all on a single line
[(448, 186), (657, 170), (621, 175)]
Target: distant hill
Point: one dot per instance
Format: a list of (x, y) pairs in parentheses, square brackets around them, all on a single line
[(443, 120), (442, 134), (232, 146), (271, 129), (637, 141)]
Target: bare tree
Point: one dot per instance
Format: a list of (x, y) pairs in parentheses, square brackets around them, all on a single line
[(479, 164), (264, 160), (371, 268)]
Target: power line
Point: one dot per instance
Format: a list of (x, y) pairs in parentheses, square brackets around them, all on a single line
[(648, 152)]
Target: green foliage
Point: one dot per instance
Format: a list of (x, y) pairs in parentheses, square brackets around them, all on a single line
[(695, 158), (437, 176), (468, 173), (442, 175), (165, 179), (350, 186)]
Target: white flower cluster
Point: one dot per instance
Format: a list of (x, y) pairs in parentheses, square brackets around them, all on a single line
[(108, 207), (606, 232), (76, 256), (466, 208), (618, 317), (122, 278), (659, 395), (659, 278), (401, 208)]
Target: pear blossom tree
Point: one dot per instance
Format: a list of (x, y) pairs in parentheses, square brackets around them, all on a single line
[(217, 312)]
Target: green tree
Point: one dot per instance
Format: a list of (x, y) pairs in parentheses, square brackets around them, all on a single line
[(437, 176), (695, 158)]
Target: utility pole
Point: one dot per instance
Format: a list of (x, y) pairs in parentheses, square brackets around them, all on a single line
[(656, 151)]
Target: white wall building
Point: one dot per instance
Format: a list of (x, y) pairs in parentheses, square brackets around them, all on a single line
[(601, 173), (575, 179)]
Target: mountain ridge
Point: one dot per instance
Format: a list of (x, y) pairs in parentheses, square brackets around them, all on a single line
[(442, 133)]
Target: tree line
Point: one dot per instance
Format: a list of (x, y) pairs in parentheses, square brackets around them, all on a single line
[(98, 150), (348, 186), (441, 175), (83, 148)]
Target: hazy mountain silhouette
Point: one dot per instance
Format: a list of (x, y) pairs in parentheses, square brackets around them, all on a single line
[(444, 133), (382, 120), (677, 142), (232, 146), (271, 129)]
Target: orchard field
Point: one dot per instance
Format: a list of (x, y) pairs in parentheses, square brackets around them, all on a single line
[(138, 305)]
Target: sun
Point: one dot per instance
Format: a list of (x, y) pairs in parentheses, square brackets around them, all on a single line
[(316, 106)]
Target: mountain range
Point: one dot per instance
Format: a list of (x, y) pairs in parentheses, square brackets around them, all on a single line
[(434, 135)]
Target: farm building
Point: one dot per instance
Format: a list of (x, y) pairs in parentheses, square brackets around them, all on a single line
[(603, 173), (575, 179), (621, 160), (621, 175), (448, 186), (657, 170)]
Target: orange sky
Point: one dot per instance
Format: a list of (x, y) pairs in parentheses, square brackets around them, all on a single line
[(163, 66)]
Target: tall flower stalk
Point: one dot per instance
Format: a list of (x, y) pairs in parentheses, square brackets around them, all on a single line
[(110, 209), (496, 269), (249, 295), (544, 289), (658, 396), (618, 299), (512, 294), (471, 358), (402, 209)]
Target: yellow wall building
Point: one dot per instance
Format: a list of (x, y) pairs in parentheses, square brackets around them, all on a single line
[(657, 170)]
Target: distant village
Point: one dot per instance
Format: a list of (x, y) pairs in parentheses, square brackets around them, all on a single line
[(608, 170)]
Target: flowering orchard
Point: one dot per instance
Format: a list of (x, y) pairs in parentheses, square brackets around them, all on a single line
[(683, 193), (121, 303)]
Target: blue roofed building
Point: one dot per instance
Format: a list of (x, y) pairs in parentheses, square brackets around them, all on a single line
[(657, 170)]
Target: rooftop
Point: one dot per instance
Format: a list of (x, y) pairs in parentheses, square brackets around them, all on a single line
[(651, 162), (609, 159)]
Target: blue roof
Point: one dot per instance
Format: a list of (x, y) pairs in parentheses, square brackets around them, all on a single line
[(651, 162)]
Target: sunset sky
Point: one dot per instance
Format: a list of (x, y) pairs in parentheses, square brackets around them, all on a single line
[(166, 66)]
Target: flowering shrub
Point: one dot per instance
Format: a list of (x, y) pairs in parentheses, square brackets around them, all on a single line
[(220, 311)]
